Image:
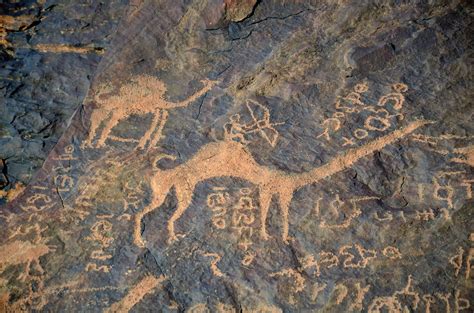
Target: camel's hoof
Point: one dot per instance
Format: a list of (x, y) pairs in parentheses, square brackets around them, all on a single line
[(175, 238), (140, 146), (287, 240), (139, 243), (171, 240)]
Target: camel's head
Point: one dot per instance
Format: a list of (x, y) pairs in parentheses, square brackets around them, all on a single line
[(209, 83)]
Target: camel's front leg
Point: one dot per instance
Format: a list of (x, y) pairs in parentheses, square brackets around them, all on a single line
[(265, 201), (159, 131), (159, 197), (157, 116), (26, 274), (116, 116), (184, 201)]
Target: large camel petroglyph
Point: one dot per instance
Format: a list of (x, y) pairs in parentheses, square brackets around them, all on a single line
[(232, 159), (144, 95)]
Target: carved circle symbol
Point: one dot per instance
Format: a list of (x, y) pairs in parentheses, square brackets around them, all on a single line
[(390, 303), (69, 149), (218, 222), (377, 123), (361, 133), (392, 253), (38, 202)]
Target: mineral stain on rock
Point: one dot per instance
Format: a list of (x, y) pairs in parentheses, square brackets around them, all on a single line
[(236, 156)]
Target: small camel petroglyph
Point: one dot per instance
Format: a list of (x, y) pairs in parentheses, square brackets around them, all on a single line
[(144, 95), (232, 159), (23, 252)]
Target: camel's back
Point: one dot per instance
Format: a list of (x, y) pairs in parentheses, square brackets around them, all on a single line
[(224, 158)]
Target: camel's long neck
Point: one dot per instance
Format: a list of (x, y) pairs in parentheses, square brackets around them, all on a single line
[(351, 156)]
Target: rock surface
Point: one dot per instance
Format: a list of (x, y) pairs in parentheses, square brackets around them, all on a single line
[(258, 156), (49, 51)]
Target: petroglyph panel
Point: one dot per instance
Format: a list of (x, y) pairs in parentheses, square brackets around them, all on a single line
[(305, 157)]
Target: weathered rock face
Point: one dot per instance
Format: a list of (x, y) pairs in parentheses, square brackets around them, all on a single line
[(261, 157), (49, 51)]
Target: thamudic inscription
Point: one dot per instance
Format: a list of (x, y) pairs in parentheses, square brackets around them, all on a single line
[(318, 274)]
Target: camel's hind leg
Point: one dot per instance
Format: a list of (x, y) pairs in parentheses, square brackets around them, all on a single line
[(158, 199), (265, 201), (184, 196), (97, 117)]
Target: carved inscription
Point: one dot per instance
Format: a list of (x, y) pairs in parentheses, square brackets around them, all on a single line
[(377, 118), (100, 235), (349, 256)]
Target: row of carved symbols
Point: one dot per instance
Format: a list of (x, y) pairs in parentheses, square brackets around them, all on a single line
[(377, 118), (293, 284), (242, 217), (397, 302), (28, 251), (350, 256), (339, 214), (101, 235), (463, 260)]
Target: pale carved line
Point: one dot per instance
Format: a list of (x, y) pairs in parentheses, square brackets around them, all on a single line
[(136, 294), (216, 259)]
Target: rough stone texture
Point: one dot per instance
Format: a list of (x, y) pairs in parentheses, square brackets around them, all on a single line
[(49, 51), (308, 157)]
